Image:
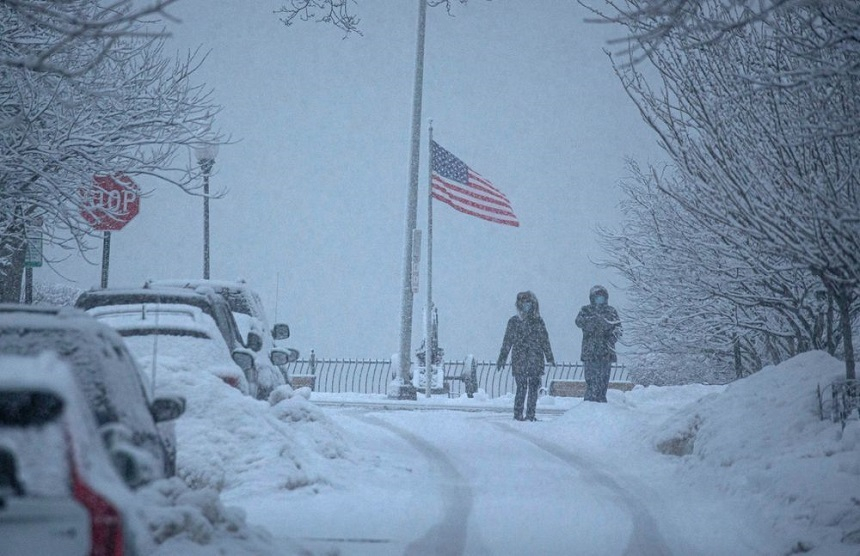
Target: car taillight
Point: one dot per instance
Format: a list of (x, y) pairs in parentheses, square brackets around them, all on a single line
[(232, 381), (105, 521)]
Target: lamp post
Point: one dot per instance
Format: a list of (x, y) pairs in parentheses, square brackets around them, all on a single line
[(206, 159)]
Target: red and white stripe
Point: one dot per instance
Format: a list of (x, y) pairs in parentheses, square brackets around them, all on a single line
[(477, 198)]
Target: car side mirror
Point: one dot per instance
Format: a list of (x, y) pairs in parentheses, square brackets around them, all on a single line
[(115, 434), (131, 464), (167, 408), (281, 356), (281, 332), (255, 341), (244, 359)]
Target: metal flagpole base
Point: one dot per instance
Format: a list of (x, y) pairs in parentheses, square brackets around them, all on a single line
[(403, 392)]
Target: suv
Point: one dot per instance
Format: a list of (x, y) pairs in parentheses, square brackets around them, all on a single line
[(59, 493), (248, 311), (261, 374), (109, 378)]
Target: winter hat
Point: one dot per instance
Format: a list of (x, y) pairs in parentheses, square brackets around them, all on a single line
[(598, 290)]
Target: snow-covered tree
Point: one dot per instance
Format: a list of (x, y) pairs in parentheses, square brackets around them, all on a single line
[(39, 35), (104, 104), (694, 294), (333, 12), (762, 130), (835, 25)]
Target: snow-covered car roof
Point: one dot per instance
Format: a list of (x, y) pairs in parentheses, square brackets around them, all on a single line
[(125, 296), (211, 303), (171, 319), (241, 297), (25, 314)]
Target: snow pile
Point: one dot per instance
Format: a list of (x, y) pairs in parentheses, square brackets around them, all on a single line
[(227, 440), (757, 442), (180, 520), (762, 439)]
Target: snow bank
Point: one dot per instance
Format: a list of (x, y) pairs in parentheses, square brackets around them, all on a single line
[(761, 439), (181, 520), (758, 441), (230, 441)]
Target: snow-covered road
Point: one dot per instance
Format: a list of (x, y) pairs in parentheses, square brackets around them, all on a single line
[(748, 469), (453, 482)]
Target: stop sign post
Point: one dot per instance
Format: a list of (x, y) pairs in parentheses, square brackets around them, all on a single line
[(108, 205)]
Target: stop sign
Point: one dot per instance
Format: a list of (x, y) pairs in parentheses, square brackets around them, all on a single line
[(111, 202)]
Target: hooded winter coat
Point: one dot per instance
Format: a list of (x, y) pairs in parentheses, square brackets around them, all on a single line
[(601, 328), (526, 339)]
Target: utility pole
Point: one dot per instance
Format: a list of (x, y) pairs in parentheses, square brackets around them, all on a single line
[(407, 391)]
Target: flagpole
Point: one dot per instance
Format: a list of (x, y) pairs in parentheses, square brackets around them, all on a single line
[(429, 350), (406, 389)]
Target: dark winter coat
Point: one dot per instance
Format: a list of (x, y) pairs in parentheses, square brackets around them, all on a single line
[(527, 340), (601, 328)]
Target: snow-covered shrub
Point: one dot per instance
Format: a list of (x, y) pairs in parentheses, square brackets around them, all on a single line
[(297, 408), (285, 392), (663, 369), (55, 294), (182, 520)]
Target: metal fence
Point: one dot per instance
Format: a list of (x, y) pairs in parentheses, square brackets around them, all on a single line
[(371, 376)]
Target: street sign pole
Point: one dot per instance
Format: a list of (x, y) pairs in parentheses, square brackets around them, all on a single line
[(108, 205), (105, 259), (28, 285), (32, 257)]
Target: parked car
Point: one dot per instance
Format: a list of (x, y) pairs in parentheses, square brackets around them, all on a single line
[(109, 378), (59, 493), (262, 376), (177, 332), (249, 313)]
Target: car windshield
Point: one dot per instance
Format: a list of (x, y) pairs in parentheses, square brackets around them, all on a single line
[(89, 300), (149, 331), (238, 302), (180, 354)]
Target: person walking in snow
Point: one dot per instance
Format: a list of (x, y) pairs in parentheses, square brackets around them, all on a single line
[(601, 329), (527, 340)]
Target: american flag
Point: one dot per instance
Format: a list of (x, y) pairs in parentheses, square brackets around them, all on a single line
[(462, 188)]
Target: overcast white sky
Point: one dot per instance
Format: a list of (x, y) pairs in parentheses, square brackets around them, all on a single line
[(521, 91)]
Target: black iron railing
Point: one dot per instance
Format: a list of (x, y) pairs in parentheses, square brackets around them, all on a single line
[(371, 376)]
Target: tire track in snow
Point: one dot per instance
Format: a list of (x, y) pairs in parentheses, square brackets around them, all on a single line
[(447, 537), (645, 538)]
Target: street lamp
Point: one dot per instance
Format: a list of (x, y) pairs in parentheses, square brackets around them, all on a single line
[(206, 159)]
